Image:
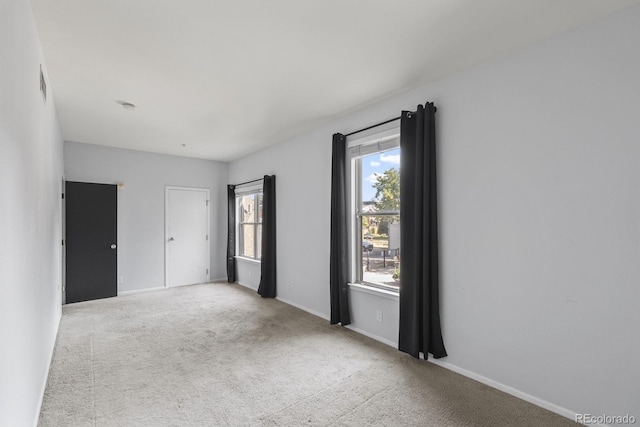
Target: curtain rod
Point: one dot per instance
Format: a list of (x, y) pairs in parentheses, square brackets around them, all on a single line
[(374, 126), (379, 124), (248, 182)]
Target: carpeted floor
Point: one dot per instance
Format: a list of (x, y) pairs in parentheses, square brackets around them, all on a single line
[(219, 355)]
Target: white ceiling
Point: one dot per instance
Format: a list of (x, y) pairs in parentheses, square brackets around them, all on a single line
[(228, 77)]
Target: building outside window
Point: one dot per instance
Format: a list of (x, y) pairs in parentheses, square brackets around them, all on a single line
[(249, 223), (374, 169)]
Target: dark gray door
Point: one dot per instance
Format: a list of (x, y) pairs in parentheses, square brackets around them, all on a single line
[(91, 241)]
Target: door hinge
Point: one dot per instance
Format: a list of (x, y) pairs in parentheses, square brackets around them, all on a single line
[(63, 195), (207, 271), (62, 242), (206, 237), (207, 203)]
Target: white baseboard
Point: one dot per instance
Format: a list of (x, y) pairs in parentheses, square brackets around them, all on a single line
[(246, 286), (303, 308), (507, 389), (372, 336), (46, 377), (291, 303), (139, 291), (464, 372)]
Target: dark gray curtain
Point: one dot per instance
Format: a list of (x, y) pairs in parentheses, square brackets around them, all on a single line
[(267, 288), (231, 233), (339, 246), (419, 297)]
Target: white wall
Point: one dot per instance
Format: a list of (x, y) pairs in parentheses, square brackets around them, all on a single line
[(30, 219), (539, 211), (248, 273), (303, 215), (141, 204)]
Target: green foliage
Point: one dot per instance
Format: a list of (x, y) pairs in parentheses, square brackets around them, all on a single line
[(387, 196), (387, 189)]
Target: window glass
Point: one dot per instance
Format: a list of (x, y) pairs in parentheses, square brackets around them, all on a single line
[(248, 239), (248, 207), (259, 240), (249, 224), (377, 217)]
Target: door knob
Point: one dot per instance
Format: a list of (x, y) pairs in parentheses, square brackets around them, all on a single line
[(113, 246), (171, 239)]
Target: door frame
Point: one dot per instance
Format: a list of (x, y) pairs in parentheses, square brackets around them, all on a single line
[(63, 236), (168, 188)]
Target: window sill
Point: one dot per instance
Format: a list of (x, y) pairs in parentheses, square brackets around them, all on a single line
[(361, 287), (247, 260)]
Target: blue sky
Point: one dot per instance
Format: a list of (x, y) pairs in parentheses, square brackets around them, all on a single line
[(377, 164)]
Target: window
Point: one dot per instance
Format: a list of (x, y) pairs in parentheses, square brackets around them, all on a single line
[(249, 222), (374, 168)]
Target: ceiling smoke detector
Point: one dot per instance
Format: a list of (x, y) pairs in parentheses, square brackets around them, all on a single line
[(127, 105)]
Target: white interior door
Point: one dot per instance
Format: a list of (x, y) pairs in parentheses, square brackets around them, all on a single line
[(187, 236)]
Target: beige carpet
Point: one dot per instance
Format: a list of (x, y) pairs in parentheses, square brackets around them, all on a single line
[(219, 355)]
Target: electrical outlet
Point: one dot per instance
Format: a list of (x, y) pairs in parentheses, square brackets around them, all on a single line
[(289, 286), (379, 315)]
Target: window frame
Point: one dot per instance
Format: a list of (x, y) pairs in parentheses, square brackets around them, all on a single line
[(377, 140), (242, 191)]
